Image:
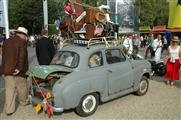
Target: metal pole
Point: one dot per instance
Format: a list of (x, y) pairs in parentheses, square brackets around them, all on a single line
[(45, 14), (116, 17), (6, 21), (107, 2), (116, 12)]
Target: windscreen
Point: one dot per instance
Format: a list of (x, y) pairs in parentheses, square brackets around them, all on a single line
[(66, 58)]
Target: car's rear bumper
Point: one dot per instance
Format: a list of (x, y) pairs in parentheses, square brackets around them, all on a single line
[(56, 109)]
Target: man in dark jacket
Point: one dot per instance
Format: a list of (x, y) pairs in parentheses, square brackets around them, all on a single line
[(44, 49), (14, 67)]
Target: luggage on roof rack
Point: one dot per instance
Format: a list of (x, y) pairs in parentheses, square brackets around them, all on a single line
[(91, 19)]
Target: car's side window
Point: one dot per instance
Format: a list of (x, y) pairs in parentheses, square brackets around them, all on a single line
[(114, 56), (95, 60)]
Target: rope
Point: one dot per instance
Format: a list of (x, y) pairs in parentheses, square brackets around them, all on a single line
[(46, 106), (38, 87)]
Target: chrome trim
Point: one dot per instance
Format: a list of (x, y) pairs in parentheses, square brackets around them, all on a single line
[(55, 109)]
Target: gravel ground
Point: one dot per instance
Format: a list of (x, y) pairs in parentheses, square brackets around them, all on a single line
[(161, 102)]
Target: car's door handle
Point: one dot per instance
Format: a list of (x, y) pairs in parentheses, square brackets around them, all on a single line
[(110, 71)]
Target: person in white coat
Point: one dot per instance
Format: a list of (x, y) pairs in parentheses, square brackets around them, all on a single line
[(157, 47), (128, 45)]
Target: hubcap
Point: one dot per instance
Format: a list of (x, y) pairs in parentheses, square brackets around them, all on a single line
[(143, 86), (89, 103)]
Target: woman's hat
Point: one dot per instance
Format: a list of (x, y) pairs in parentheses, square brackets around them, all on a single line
[(104, 7), (22, 30), (175, 38)]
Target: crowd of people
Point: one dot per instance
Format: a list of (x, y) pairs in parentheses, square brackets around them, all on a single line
[(154, 45)]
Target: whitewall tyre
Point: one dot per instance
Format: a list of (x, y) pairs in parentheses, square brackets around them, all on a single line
[(88, 105), (143, 86)]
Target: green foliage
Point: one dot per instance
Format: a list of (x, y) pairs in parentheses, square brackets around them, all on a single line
[(161, 12), (95, 3), (29, 13), (52, 29), (90, 2), (145, 10), (152, 12)]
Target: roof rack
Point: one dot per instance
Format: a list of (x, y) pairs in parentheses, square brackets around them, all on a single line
[(103, 40), (66, 42), (111, 40)]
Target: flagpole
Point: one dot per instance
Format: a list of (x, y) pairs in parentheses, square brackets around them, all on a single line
[(116, 11), (45, 14), (107, 2), (6, 21), (116, 17)]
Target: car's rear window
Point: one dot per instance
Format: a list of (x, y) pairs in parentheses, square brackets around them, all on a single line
[(66, 58)]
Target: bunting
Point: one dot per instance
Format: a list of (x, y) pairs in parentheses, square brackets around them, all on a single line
[(44, 105), (49, 110), (38, 108)]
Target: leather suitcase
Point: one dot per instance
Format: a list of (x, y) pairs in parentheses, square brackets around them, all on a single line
[(78, 26), (90, 15), (89, 31)]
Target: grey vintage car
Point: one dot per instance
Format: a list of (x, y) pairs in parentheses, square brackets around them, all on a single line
[(80, 78)]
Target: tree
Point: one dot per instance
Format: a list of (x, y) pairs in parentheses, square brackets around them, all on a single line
[(145, 10), (161, 12), (29, 13), (152, 12), (90, 2)]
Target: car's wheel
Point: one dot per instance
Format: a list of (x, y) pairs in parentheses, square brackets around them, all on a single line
[(88, 105), (143, 86)]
